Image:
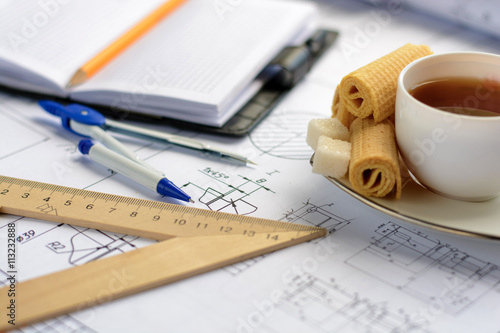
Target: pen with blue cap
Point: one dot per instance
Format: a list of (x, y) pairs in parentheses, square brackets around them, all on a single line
[(137, 172)]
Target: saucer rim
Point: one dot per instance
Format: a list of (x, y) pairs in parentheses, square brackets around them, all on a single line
[(344, 185)]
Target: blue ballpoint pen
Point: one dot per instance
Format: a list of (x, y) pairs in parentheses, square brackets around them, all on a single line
[(145, 176)]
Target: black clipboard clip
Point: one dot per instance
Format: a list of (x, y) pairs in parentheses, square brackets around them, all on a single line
[(293, 63), (286, 70)]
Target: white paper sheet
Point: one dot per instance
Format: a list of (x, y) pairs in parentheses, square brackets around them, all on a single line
[(372, 273), (483, 15)]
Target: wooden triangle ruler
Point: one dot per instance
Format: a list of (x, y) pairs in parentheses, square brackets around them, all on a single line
[(192, 241)]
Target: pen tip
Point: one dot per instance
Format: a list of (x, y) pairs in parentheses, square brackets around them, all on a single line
[(250, 162), (191, 200)]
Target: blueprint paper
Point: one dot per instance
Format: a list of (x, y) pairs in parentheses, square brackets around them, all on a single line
[(483, 15), (372, 273)]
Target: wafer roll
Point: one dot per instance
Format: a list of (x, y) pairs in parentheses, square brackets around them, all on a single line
[(336, 102), (371, 89), (374, 167), (345, 117), (339, 110)]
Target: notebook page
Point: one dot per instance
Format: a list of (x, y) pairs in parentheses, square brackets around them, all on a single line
[(198, 59), (54, 38)]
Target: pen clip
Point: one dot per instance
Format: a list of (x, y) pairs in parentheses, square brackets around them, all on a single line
[(76, 112)]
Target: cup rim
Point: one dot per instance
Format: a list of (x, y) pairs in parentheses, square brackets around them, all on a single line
[(410, 66)]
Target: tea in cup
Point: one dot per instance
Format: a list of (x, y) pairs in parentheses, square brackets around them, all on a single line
[(448, 123)]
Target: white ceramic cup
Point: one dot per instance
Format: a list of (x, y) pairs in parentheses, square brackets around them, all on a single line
[(454, 155)]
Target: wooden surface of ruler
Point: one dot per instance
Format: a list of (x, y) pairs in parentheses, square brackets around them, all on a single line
[(193, 241)]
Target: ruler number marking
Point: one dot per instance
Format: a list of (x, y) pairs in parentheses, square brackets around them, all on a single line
[(249, 233), (272, 237), (226, 229), (180, 221), (87, 204)]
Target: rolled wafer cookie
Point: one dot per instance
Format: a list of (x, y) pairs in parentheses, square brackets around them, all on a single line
[(344, 116), (374, 168), (336, 102), (339, 110), (371, 89)]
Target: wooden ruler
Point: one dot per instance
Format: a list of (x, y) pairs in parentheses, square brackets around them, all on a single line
[(193, 241)]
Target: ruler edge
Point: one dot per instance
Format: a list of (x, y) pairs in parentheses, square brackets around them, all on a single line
[(168, 206)]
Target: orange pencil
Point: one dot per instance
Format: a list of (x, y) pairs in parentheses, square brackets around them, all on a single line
[(114, 49)]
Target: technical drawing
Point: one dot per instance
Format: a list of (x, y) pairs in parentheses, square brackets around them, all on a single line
[(18, 134), (311, 304), (79, 244), (242, 266), (284, 135), (458, 281), (309, 214), (319, 216), (83, 244), (63, 324), (233, 198)]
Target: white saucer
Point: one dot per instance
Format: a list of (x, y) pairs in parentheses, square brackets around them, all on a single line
[(421, 206)]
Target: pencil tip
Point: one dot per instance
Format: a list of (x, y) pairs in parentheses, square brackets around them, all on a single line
[(79, 77)]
